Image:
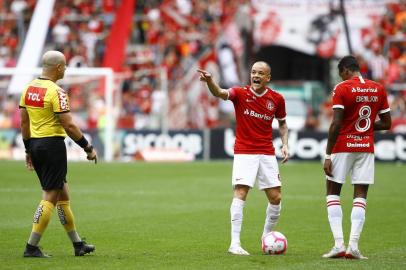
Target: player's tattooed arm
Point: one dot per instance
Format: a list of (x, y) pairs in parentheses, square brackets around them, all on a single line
[(283, 130), (213, 87)]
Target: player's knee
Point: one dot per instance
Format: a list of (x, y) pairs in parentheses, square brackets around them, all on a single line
[(241, 192), (51, 196), (275, 198)]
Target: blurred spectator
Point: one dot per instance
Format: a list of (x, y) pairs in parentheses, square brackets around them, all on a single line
[(9, 114), (326, 114), (377, 63)]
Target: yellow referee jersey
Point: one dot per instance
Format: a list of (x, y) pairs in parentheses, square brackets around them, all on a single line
[(42, 99)]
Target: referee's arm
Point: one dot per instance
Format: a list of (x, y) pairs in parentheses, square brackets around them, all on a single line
[(26, 133), (25, 124), (70, 127), (75, 134)]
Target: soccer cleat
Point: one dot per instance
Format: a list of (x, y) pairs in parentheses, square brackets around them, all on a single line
[(354, 254), (237, 250), (82, 248), (34, 252), (335, 252)]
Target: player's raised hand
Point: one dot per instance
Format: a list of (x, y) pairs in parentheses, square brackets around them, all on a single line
[(285, 153), (204, 75), (327, 167), (92, 155)]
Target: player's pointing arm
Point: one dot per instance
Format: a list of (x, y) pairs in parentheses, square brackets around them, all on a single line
[(213, 87)]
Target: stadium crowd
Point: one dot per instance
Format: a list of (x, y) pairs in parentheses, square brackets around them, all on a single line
[(171, 36)]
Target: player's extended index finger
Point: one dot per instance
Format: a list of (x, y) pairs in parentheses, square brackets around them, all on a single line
[(203, 72)]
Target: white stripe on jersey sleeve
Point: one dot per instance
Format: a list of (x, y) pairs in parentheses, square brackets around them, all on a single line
[(281, 119), (384, 111), (339, 106)]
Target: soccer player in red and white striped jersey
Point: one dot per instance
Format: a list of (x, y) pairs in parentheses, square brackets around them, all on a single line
[(256, 106), (350, 150)]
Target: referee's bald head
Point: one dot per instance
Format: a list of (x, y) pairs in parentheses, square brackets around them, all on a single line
[(52, 58), (53, 65)]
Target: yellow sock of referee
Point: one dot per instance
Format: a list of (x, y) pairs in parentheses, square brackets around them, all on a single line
[(40, 222), (67, 220)]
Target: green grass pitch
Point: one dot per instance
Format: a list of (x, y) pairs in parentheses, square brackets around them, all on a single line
[(176, 216)]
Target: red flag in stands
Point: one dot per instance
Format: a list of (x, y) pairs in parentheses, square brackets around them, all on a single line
[(119, 34)]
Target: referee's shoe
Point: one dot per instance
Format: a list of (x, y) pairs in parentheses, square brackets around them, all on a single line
[(82, 248), (34, 252)]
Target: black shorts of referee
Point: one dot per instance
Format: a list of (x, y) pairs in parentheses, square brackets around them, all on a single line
[(49, 159)]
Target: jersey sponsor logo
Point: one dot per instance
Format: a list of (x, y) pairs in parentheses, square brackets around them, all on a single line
[(357, 137), (35, 96), (367, 145), (364, 90), (63, 100), (258, 115)]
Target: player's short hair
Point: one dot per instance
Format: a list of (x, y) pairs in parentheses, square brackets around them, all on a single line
[(264, 63), (349, 62)]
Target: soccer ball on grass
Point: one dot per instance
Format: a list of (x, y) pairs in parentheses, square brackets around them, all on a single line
[(274, 243)]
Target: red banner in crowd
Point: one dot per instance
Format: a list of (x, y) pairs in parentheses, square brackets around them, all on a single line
[(119, 34), (314, 26)]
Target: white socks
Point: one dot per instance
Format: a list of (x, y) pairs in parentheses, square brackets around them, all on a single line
[(357, 221), (236, 212), (272, 216), (335, 217)]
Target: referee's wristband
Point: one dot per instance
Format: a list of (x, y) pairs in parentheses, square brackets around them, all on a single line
[(88, 149), (82, 142), (26, 145), (327, 156)]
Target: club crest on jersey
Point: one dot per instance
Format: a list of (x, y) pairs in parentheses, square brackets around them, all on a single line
[(270, 105)]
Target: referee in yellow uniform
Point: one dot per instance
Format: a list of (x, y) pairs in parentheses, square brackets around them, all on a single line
[(45, 122)]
